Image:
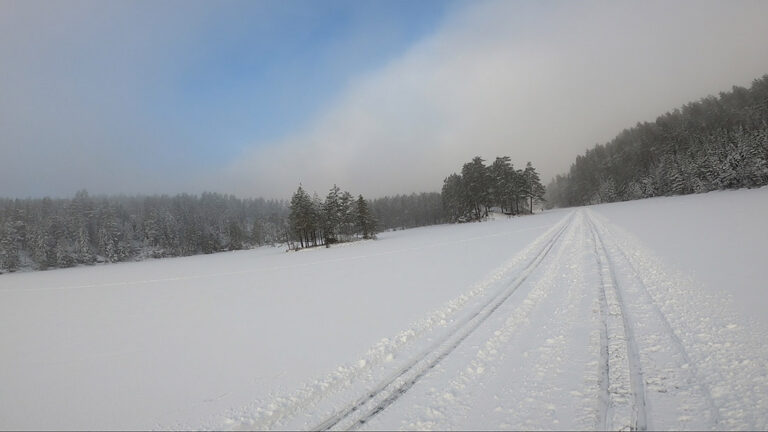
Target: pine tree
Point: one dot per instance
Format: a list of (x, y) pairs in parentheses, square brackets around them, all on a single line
[(500, 178), (42, 251), (347, 215), (453, 197), (9, 252), (83, 252), (318, 220), (506, 186), (235, 235), (534, 190), (300, 217), (109, 236), (476, 185), (332, 215), (63, 257), (366, 224), (607, 192)]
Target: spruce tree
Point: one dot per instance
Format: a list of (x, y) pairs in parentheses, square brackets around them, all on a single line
[(476, 186), (534, 190), (332, 215), (301, 217), (9, 252), (366, 225)]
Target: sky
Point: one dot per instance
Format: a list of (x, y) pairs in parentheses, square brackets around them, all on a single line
[(254, 97)]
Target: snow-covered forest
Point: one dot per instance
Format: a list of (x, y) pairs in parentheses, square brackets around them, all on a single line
[(49, 233), (715, 143), (58, 233)]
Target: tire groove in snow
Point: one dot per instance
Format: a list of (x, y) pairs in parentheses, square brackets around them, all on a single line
[(624, 376), (724, 383), (263, 415), (441, 408), (394, 387), (682, 362)]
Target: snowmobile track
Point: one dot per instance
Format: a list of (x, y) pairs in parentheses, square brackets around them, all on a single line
[(620, 355), (676, 343), (392, 388)]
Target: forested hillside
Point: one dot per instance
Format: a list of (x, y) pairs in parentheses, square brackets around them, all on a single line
[(715, 143)]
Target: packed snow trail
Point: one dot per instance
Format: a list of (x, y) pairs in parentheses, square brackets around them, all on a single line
[(705, 367), (393, 388), (671, 378), (572, 339), (465, 392), (360, 411), (624, 389), (468, 310)]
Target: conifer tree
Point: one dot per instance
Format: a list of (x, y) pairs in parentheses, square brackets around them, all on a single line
[(366, 224), (332, 215), (476, 185), (301, 217), (347, 215), (534, 190), (9, 252)]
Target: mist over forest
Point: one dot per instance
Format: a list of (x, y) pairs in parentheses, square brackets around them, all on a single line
[(712, 144)]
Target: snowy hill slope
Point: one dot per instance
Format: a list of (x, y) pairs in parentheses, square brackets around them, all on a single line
[(603, 317)]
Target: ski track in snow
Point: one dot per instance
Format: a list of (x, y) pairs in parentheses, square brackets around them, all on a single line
[(442, 408), (650, 357), (667, 375), (694, 354), (403, 380), (624, 389), (273, 413)]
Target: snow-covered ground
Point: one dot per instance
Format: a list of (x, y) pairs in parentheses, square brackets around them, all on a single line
[(639, 314)]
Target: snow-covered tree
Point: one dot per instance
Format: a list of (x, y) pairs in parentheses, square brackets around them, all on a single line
[(365, 223)]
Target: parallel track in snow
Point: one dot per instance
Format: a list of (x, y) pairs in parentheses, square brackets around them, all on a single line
[(622, 385), (674, 344), (396, 385)]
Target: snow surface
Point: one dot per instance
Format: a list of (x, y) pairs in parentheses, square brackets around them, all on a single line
[(638, 314)]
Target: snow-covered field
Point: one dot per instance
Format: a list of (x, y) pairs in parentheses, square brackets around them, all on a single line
[(640, 314)]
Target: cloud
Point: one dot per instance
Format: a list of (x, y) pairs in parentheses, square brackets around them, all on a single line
[(104, 96), (535, 82), (74, 80)]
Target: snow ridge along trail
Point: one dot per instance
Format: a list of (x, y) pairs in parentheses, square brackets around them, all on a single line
[(394, 387), (472, 388), (296, 410), (665, 378), (704, 365), (622, 379)]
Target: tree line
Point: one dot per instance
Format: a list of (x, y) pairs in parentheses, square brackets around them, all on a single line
[(714, 143), (43, 233), (338, 218), (408, 211), (54, 233), (470, 195)]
